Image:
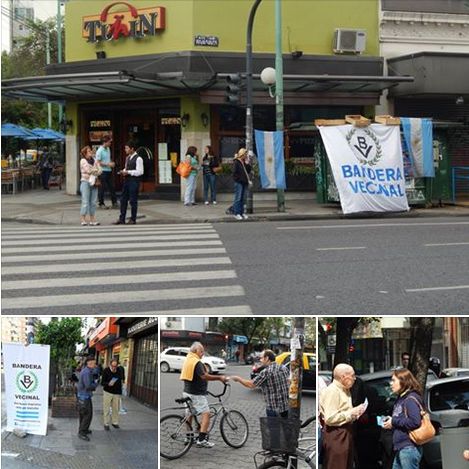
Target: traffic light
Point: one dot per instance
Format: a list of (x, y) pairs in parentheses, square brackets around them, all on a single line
[(328, 327), (233, 88)]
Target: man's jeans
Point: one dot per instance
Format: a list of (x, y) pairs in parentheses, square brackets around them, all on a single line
[(240, 194), (45, 176), (129, 192), (85, 410), (107, 186), (89, 195), (274, 413), (210, 182), (189, 196), (408, 458)]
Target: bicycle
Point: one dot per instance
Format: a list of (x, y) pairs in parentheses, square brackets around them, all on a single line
[(305, 451), (177, 435)]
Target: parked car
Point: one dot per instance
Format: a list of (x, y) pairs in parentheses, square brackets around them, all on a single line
[(309, 368), (326, 376), (447, 400), (252, 358), (173, 357), (453, 372)]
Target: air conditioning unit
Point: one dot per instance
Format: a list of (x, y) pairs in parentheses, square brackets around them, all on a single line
[(349, 41)]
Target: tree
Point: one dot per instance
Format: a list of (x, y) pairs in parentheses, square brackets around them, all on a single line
[(420, 347), (27, 58), (63, 335), (247, 326)]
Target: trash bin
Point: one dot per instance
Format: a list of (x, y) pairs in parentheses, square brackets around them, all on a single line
[(453, 442)]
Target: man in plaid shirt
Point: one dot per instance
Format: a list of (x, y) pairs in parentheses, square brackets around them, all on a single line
[(273, 381)]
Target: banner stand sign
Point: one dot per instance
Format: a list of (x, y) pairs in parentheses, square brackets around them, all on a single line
[(27, 387), (367, 165)]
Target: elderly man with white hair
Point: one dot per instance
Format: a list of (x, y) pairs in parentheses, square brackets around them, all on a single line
[(337, 415), (196, 379)]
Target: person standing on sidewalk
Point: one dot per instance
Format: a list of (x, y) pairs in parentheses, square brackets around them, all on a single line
[(45, 166), (273, 381), (133, 171), (112, 392), (103, 156), (191, 180), (241, 170), (85, 387), (209, 163), (89, 170), (196, 379), (122, 409)]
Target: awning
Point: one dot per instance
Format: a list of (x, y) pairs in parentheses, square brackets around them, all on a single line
[(436, 74)]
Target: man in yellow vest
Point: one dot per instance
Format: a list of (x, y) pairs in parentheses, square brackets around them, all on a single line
[(196, 379)]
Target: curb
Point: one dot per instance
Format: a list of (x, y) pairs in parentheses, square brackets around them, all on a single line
[(264, 218)]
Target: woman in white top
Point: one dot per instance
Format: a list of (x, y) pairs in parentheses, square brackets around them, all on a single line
[(90, 170)]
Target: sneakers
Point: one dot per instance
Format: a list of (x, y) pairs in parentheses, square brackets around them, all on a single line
[(83, 223), (204, 444), (238, 217), (83, 437), (95, 223), (115, 425), (245, 216), (206, 202), (214, 202)]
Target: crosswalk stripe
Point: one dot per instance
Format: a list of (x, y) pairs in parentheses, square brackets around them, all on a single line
[(99, 234), (57, 282), (106, 254), (64, 229), (45, 242), (218, 310), (7, 252), (123, 297), (93, 267)]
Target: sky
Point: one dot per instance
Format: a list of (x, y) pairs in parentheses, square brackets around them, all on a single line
[(43, 9)]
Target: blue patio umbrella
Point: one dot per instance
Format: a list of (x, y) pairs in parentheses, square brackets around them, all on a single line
[(45, 134), (14, 130)]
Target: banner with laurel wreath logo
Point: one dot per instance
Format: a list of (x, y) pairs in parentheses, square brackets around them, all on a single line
[(367, 165)]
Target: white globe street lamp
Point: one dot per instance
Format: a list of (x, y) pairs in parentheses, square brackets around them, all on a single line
[(268, 76)]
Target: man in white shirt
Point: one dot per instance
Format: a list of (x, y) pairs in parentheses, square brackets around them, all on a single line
[(103, 155), (132, 172)]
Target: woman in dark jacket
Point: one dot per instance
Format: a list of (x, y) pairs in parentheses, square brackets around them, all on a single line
[(406, 417), (209, 163), (241, 170)]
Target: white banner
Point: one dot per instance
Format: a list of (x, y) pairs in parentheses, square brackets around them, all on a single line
[(27, 387), (367, 166)]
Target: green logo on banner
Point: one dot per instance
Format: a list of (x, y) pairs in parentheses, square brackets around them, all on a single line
[(27, 381)]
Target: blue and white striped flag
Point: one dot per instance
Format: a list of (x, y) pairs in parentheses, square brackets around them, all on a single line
[(271, 161), (418, 134)]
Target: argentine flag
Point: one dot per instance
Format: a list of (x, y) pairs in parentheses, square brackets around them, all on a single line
[(418, 134), (270, 156)]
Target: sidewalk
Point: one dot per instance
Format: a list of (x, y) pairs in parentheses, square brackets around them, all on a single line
[(133, 445), (57, 208)]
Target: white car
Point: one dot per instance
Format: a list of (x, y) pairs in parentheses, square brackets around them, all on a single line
[(173, 357)]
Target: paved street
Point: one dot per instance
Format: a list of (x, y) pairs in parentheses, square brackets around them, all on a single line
[(361, 266), (133, 445), (249, 402), (118, 270)]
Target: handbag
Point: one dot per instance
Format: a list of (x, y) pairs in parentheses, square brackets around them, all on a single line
[(184, 169), (426, 431)]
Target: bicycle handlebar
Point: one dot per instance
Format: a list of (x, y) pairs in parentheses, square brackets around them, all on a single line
[(222, 394)]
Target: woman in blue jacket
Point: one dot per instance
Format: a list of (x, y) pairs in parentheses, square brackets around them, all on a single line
[(406, 417)]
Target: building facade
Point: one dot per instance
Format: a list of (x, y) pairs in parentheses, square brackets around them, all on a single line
[(20, 12), (157, 73)]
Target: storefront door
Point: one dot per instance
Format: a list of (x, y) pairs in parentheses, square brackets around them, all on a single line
[(144, 385), (141, 128)]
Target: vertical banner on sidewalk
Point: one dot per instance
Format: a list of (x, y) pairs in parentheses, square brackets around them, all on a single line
[(367, 166), (27, 387), (418, 134), (271, 160)]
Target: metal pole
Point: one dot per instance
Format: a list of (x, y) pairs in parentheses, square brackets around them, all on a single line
[(49, 105), (296, 370), (279, 87), (59, 48), (249, 124)]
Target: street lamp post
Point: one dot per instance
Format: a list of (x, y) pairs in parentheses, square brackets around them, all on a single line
[(279, 87), (249, 124)]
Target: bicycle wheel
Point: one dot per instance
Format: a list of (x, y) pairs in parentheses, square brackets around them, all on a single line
[(175, 436), (234, 428), (273, 464)]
